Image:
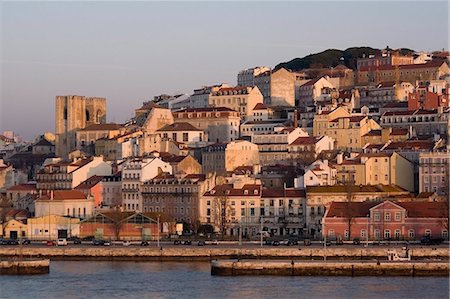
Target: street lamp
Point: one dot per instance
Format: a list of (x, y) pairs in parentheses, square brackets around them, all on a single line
[(367, 230), (157, 238)]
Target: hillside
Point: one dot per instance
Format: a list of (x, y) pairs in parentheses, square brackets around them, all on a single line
[(332, 57)]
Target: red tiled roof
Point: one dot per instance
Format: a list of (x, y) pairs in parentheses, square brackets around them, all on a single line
[(90, 182), (23, 187), (411, 145), (425, 209), (208, 109), (270, 193), (396, 105), (63, 195), (386, 84), (350, 209), (179, 126), (228, 190), (260, 106), (306, 140), (399, 131)]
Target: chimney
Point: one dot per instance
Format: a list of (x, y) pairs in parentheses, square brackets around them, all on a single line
[(340, 158)]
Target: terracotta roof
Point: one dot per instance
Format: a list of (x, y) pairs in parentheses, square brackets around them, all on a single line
[(353, 189), (17, 213), (209, 109), (102, 127), (23, 187), (425, 195), (228, 190), (425, 209), (270, 193), (179, 126), (260, 106), (90, 182), (386, 84), (172, 158), (63, 195), (373, 133), (311, 82), (399, 131), (411, 145), (350, 209), (306, 140)]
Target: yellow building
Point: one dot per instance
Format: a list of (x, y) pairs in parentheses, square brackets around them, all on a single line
[(14, 229), (377, 168), (51, 227), (347, 130), (240, 98)]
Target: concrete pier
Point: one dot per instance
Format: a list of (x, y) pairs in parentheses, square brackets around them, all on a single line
[(24, 267), (208, 253), (329, 268)]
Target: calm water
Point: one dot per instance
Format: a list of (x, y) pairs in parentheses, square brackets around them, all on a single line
[(193, 280)]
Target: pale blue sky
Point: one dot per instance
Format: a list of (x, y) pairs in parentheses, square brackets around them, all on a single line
[(131, 51)]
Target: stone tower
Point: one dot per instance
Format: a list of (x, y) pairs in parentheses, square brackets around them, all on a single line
[(73, 113)]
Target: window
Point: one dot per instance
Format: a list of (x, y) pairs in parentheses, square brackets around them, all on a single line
[(346, 233), (411, 233), (387, 216), (387, 233), (331, 233), (242, 212), (363, 233), (428, 232), (185, 137), (398, 216), (445, 234), (377, 216), (397, 234), (377, 234), (252, 211)]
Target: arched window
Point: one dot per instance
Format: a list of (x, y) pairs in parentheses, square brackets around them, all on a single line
[(88, 115)]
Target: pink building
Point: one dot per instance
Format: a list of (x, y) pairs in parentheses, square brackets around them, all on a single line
[(92, 187), (386, 220)]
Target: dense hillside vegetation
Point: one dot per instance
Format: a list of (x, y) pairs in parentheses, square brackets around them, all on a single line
[(332, 58)]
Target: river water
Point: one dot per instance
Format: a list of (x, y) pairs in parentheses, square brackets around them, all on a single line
[(193, 280)]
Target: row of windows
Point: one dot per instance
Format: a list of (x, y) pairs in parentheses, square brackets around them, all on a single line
[(387, 216), (387, 233), (158, 200), (170, 189)]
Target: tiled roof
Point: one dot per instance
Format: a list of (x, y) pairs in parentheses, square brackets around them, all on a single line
[(350, 209), (306, 140), (411, 145), (90, 182), (102, 127), (353, 189), (17, 213), (59, 195), (399, 131), (260, 106), (270, 193), (311, 82), (179, 126), (208, 109), (386, 84), (23, 187), (425, 209), (228, 190)]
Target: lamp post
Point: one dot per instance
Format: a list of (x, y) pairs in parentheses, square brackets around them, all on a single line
[(157, 230), (261, 230), (367, 230)]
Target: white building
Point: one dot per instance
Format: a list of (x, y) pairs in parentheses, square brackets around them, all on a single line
[(135, 171), (247, 77), (64, 203), (319, 173)]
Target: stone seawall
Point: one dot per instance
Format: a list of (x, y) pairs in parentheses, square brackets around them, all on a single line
[(188, 253), (328, 268), (24, 267)]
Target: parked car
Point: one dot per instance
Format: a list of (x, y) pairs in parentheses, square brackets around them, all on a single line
[(431, 241), (61, 242), (145, 243), (213, 242), (201, 243), (51, 243), (356, 241), (177, 242), (106, 243), (126, 243), (287, 242), (276, 243), (76, 241), (187, 242), (96, 242), (10, 242), (339, 242), (328, 243), (307, 242), (26, 242)]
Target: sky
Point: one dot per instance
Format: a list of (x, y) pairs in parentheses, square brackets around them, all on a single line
[(129, 52)]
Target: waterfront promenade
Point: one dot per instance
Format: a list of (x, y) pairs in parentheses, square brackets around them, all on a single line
[(207, 253)]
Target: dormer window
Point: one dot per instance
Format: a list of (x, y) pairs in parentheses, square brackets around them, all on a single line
[(255, 191), (245, 192)]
